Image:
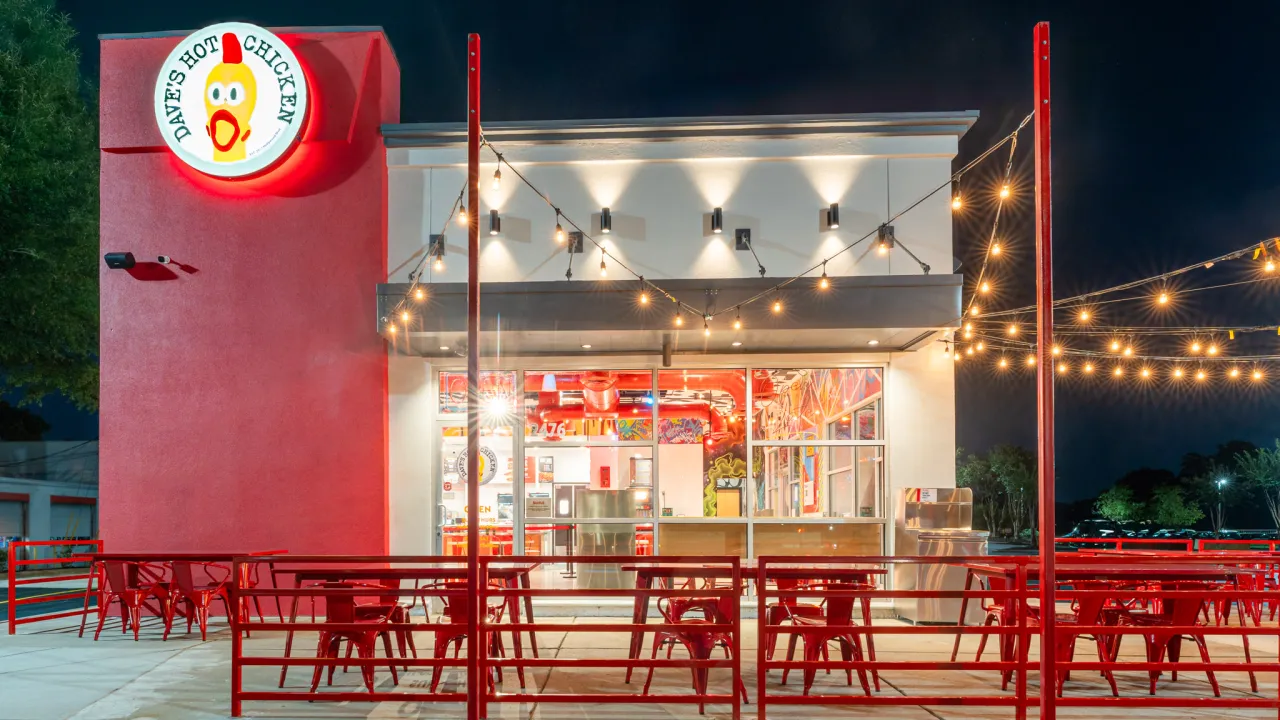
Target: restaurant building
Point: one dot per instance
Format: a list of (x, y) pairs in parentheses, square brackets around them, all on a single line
[(260, 387)]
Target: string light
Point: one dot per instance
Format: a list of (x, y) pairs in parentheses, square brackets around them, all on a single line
[(824, 282), (777, 305), (1088, 367), (419, 295), (1257, 374), (1084, 316), (497, 179), (1163, 299), (968, 334), (956, 204), (462, 215), (644, 297), (1146, 373), (1195, 346), (1031, 359), (438, 265), (706, 329), (1234, 372), (1013, 330), (1057, 350), (1212, 350), (1177, 372), (956, 357), (973, 311), (1004, 191), (1004, 363), (1270, 266), (604, 270), (737, 320), (1062, 368), (968, 350), (1128, 351), (1118, 371), (560, 235), (968, 327), (679, 319), (404, 317), (980, 346), (1200, 375), (391, 328), (985, 287), (1115, 346), (995, 248)]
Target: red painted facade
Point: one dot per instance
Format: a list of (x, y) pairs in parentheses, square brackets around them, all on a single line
[(244, 389)]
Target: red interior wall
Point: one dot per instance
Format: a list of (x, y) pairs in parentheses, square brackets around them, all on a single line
[(244, 392)]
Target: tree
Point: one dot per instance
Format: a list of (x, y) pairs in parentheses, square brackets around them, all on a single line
[(1015, 468), (1216, 490), (1170, 508), (19, 425), (1118, 504), (48, 211), (1144, 482), (975, 473), (1260, 470)]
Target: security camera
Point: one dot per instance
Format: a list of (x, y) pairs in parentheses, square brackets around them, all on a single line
[(119, 260)]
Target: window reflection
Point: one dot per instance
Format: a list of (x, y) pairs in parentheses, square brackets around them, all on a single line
[(702, 457)]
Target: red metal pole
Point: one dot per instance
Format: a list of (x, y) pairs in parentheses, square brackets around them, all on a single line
[(13, 589), (475, 683), (1044, 385)]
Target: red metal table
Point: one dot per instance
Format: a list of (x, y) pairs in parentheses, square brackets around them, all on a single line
[(647, 573), (511, 576)]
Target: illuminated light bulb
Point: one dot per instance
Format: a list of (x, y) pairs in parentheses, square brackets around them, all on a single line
[(644, 298), (973, 311), (560, 236), (497, 179), (737, 321), (706, 329), (1146, 373), (1234, 372), (777, 306), (1031, 359), (995, 248), (462, 215), (1057, 350), (1200, 375), (1004, 191), (604, 271), (1195, 347), (985, 287), (980, 346), (404, 317), (967, 334), (679, 319), (882, 250), (956, 204), (1004, 363), (1270, 266), (1163, 299), (1257, 374), (968, 351), (1128, 351), (968, 327), (1118, 371), (1062, 368), (1084, 316), (956, 356), (824, 282), (419, 294), (1088, 367), (1177, 372), (438, 265), (1115, 346), (1212, 350), (1013, 329), (391, 328)]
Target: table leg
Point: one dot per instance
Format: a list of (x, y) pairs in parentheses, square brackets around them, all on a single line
[(288, 638), (525, 584), (871, 638), (644, 581), (964, 608), (513, 607)]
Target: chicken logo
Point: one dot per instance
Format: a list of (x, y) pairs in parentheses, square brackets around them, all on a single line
[(231, 100), (230, 92)]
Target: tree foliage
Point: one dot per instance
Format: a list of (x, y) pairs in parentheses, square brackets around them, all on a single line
[(974, 472), (1216, 490), (1015, 469), (1170, 508), (1260, 470), (48, 210), (1118, 505)]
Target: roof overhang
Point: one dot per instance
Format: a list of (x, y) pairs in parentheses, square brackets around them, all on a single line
[(856, 314)]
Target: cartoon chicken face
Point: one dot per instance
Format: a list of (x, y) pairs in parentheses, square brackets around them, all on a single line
[(230, 94)]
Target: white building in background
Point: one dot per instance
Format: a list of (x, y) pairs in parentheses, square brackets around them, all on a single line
[(48, 490), (614, 429)]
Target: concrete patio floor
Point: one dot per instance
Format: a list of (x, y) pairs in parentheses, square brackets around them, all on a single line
[(47, 672)]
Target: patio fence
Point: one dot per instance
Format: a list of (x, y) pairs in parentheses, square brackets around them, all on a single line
[(17, 557)]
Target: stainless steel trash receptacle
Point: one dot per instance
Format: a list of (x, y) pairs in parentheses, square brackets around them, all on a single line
[(935, 521)]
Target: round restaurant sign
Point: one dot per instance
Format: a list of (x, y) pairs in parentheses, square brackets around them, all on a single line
[(488, 465), (231, 100)]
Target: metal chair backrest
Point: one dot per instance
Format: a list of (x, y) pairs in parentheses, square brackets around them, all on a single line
[(339, 608), (839, 608), (117, 577), (182, 577)]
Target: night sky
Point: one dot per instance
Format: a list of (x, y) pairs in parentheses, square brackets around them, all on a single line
[(1165, 140)]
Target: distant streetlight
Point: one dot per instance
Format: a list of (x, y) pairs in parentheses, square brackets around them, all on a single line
[(1221, 483)]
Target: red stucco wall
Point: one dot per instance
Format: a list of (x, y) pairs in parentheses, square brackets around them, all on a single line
[(244, 393)]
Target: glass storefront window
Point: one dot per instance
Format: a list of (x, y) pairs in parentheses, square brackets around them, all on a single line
[(702, 450), (577, 482), (817, 538), (497, 392), (589, 406), (496, 490), (815, 481), (705, 538), (824, 404)]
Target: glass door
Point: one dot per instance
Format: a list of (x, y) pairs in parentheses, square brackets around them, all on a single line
[(497, 509)]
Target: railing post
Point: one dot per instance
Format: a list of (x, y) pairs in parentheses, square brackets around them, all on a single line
[(762, 637), (13, 590), (237, 642), (736, 595), (1024, 638)]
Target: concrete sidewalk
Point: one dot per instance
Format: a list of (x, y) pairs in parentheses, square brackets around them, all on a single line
[(48, 672)]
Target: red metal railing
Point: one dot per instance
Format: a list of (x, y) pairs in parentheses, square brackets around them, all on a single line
[(1120, 543), (16, 560)]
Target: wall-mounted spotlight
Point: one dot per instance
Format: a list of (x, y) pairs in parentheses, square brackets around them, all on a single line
[(833, 216), (717, 221), (606, 221), (119, 260), (495, 223)]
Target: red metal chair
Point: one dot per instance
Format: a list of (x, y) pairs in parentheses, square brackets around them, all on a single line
[(819, 632), (455, 613), (787, 606), (394, 609), (1173, 612), (197, 598), (342, 609), (698, 642), (126, 584), (1088, 611)]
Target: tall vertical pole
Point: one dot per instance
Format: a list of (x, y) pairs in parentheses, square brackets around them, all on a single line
[(1044, 375), (475, 683)]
